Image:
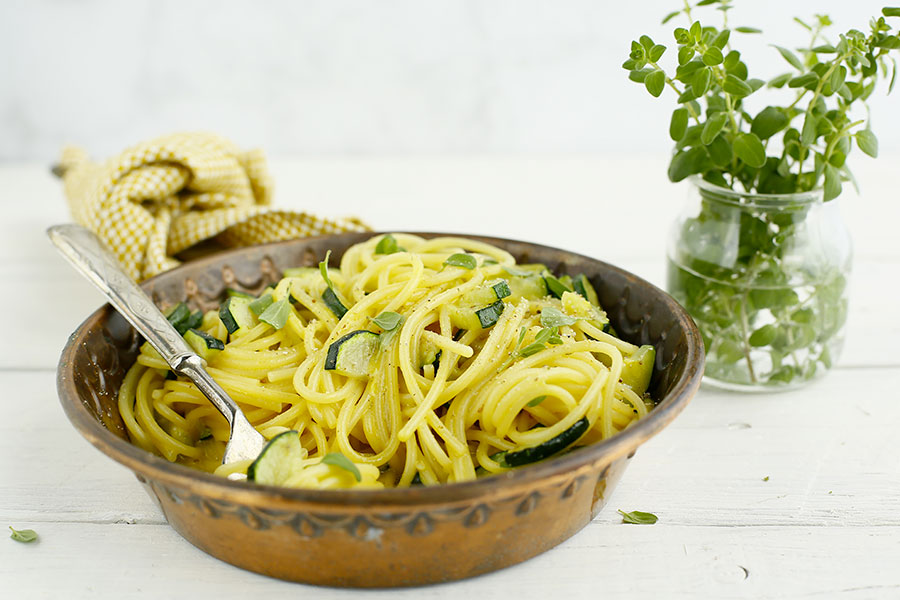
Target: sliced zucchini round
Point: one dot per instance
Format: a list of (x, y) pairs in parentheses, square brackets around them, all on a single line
[(278, 460), (352, 354), (549, 448)]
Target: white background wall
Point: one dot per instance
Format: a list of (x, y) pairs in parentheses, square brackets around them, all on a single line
[(361, 77)]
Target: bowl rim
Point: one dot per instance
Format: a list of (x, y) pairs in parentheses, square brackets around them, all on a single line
[(158, 468)]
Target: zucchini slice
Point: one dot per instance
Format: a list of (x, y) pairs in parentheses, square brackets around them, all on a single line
[(236, 314), (277, 461), (177, 315), (532, 287), (583, 286), (352, 354), (233, 293), (638, 369), (549, 448), (334, 303), (490, 314), (487, 294), (203, 344)]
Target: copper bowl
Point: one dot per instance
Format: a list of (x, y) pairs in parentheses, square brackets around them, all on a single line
[(395, 537)]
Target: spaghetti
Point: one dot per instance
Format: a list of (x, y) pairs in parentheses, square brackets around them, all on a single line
[(466, 364)]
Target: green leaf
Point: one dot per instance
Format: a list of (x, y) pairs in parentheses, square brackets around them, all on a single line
[(763, 336), (747, 30), (696, 31), (639, 75), (533, 348), (646, 42), (721, 40), (685, 54), (867, 142), (339, 460), (388, 245), (678, 124), (536, 401), (768, 122), (890, 12), (700, 82), (824, 49), (750, 150), (712, 127), (809, 132), (736, 87), (23, 535), (837, 78), (465, 261), (552, 317), (806, 80), (790, 57), (832, 183), (686, 163), (670, 16), (637, 517), (323, 269), (713, 56), (720, 151), (780, 81), (388, 320), (655, 82), (277, 313), (259, 305), (682, 35), (656, 52), (731, 60)]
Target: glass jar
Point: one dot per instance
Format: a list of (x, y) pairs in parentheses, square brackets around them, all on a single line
[(765, 278)]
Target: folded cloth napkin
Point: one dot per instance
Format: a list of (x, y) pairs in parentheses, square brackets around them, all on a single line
[(165, 195)]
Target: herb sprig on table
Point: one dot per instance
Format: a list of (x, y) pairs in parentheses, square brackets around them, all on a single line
[(796, 146)]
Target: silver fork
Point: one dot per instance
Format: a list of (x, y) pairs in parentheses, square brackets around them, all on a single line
[(91, 258)]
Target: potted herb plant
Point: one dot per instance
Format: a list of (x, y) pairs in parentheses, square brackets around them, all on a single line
[(760, 258)]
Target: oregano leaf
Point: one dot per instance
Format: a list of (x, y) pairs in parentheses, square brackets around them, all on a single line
[(867, 142), (749, 149), (339, 460), (637, 517)]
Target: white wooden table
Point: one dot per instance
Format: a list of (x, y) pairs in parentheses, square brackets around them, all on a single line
[(826, 522)]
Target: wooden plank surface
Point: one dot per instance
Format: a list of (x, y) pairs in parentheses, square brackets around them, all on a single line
[(826, 523)]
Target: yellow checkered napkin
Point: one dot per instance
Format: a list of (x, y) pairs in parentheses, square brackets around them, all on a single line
[(163, 196)]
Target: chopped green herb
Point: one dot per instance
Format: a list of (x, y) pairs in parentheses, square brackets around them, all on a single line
[(339, 460), (552, 317), (766, 478), (388, 245), (537, 401), (277, 314), (465, 261), (259, 305), (522, 332), (323, 269), (637, 517), (23, 535), (532, 348), (388, 320)]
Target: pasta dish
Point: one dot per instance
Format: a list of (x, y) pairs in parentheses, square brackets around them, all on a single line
[(414, 362)]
